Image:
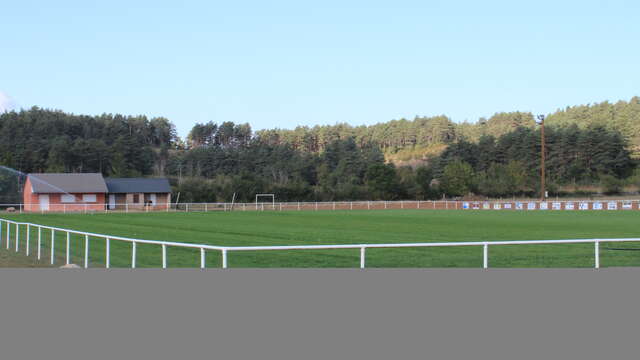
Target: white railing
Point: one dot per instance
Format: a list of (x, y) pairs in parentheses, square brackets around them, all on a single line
[(516, 205), (5, 228)]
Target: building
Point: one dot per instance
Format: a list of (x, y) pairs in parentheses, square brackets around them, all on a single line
[(64, 192), (90, 192), (138, 193)]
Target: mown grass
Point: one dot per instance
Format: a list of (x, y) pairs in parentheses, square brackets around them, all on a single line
[(349, 227)]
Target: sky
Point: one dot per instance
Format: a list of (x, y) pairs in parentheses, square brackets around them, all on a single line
[(289, 63)]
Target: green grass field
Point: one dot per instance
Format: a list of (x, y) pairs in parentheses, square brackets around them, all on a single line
[(350, 227)]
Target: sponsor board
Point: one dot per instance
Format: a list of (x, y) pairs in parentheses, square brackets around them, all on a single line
[(556, 205)]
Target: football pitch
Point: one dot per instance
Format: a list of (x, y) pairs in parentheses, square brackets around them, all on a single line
[(346, 227)]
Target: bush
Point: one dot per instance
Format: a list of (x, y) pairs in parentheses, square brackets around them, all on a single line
[(610, 184)]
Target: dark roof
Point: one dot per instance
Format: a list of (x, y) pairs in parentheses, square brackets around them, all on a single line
[(67, 183), (138, 185)]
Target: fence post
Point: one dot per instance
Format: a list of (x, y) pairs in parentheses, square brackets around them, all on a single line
[(298, 205), (126, 207), (351, 205), (187, 207), (17, 236), (108, 253), (1, 231), (133, 254), (485, 256), (68, 238), (86, 251), (8, 234), (316, 206), (224, 258), (206, 207), (362, 257), (368, 205), (39, 240), (597, 249), (202, 259), (53, 244), (164, 256), (28, 233), (401, 204)]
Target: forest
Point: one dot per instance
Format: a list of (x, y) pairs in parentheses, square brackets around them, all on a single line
[(589, 148)]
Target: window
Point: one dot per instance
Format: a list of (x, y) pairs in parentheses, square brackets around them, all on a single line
[(68, 198), (136, 198), (89, 197)]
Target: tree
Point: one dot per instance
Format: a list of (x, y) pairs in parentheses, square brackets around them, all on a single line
[(458, 178), (382, 182)]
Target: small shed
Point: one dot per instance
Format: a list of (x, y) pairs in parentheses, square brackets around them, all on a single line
[(64, 192), (138, 193)]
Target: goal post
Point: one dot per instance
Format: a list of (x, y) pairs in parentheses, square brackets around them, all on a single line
[(272, 196)]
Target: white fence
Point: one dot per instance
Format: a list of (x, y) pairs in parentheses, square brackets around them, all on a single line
[(6, 229), (504, 205)]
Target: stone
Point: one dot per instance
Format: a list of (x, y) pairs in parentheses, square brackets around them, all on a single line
[(70, 266)]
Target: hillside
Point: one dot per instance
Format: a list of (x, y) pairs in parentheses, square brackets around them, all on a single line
[(587, 144)]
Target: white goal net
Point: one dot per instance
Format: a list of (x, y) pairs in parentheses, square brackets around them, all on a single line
[(262, 199)]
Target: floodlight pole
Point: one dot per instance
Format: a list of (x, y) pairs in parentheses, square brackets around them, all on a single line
[(542, 156)]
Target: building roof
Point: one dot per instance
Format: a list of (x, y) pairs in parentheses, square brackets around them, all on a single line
[(138, 185), (67, 183)]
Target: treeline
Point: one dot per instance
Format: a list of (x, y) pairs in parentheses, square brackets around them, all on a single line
[(38, 140), (343, 170), (498, 156), (508, 165), (423, 132)]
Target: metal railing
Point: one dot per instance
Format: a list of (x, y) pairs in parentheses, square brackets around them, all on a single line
[(6, 225), (333, 205)]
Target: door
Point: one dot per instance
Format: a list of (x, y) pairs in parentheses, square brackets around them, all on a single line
[(112, 201), (44, 202), (152, 198)]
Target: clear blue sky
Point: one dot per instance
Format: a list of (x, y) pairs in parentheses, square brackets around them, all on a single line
[(288, 63)]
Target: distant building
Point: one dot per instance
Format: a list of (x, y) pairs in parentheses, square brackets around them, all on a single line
[(90, 192), (138, 192), (64, 192)]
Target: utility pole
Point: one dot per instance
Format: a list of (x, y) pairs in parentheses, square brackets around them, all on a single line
[(542, 156)]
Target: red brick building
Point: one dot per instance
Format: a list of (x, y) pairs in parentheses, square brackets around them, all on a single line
[(64, 192)]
